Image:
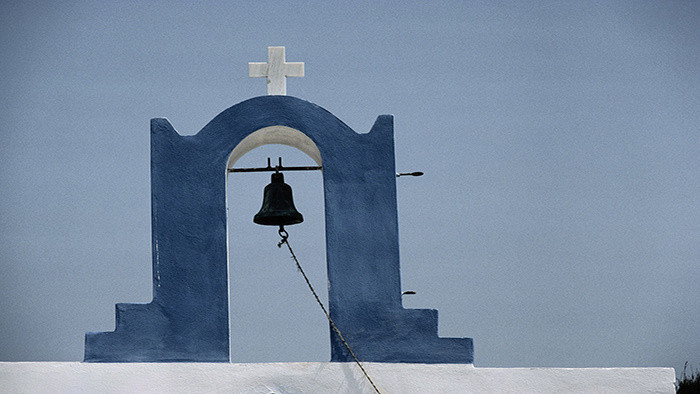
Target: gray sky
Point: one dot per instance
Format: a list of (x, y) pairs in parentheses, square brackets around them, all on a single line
[(557, 223)]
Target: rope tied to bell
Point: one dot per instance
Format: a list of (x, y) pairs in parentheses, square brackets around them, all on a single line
[(284, 241)]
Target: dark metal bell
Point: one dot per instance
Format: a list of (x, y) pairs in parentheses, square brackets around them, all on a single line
[(278, 207)]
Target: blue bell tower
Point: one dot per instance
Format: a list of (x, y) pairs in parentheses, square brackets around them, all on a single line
[(188, 318)]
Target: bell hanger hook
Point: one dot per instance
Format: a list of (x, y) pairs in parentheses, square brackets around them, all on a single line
[(283, 234)]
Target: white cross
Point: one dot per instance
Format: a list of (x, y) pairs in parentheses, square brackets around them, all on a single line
[(276, 70)]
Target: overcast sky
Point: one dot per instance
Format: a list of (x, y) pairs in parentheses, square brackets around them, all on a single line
[(557, 224)]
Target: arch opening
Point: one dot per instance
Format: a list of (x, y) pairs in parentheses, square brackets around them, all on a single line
[(272, 314)]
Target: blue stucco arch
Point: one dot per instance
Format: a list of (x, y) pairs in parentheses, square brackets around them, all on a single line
[(187, 320)]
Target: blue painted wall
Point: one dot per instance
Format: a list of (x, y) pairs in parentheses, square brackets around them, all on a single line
[(188, 317)]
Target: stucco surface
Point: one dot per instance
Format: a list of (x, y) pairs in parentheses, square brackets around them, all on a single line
[(188, 318), (57, 377)]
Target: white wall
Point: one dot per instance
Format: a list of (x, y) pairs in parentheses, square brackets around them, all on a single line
[(71, 377)]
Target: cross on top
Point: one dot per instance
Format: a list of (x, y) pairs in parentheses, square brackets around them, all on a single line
[(276, 70)]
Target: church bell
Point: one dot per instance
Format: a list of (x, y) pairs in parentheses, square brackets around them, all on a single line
[(278, 207)]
